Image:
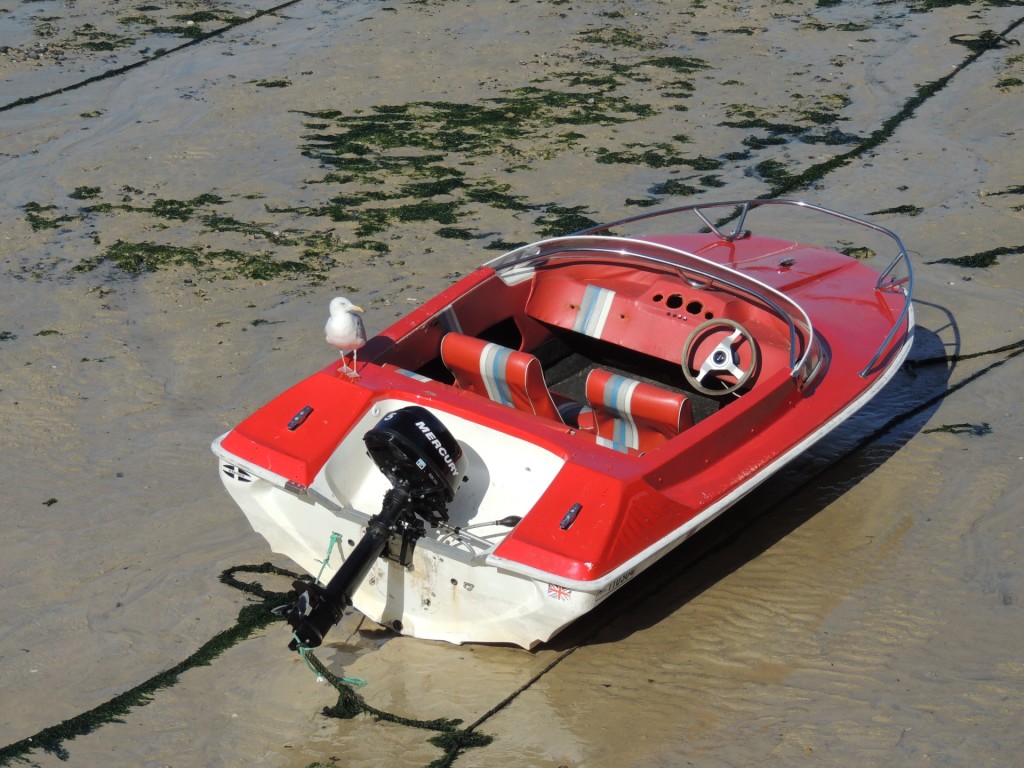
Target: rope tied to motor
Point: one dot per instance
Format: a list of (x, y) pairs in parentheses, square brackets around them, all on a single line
[(452, 739), (327, 558)]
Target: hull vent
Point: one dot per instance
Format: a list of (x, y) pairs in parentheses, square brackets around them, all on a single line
[(236, 473)]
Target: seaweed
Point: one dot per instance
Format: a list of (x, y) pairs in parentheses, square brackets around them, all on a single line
[(974, 430), (277, 83), (981, 260), (137, 258), (908, 210), (38, 219), (858, 252), (617, 37), (85, 193), (674, 187)]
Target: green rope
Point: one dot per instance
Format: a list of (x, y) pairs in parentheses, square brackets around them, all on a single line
[(452, 739), (305, 651), (327, 557), (351, 704)]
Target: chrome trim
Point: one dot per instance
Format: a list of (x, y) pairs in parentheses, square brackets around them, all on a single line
[(803, 365)]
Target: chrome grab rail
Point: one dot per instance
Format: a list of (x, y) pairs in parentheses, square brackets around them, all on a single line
[(713, 273), (807, 364)]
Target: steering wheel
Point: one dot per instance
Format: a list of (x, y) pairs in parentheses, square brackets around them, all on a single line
[(730, 356)]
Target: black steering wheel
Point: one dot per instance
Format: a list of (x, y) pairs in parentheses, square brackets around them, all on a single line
[(722, 356)]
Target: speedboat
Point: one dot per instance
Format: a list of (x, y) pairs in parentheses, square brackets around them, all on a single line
[(505, 457)]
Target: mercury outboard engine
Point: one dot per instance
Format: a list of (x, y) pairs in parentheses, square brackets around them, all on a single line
[(425, 465)]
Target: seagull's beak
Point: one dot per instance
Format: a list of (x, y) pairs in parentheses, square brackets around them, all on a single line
[(354, 308)]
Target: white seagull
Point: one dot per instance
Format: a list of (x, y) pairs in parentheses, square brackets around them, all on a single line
[(345, 330)]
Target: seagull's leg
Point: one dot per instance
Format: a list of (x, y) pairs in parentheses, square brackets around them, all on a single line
[(344, 362), (355, 367)]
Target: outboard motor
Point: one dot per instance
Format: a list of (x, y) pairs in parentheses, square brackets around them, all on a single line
[(425, 465), (419, 456)]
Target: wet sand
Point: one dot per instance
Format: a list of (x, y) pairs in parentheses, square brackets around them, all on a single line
[(863, 614)]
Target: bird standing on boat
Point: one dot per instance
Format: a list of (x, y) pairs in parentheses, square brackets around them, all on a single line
[(345, 330)]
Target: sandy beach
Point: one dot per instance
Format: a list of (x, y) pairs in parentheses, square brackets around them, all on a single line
[(186, 186)]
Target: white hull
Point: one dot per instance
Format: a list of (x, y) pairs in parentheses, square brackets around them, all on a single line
[(449, 591), (452, 451), (454, 589)]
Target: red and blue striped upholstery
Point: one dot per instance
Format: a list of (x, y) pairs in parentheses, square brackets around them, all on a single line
[(631, 415), (504, 375)]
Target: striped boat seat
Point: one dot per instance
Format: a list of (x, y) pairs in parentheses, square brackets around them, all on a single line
[(504, 375), (631, 415)]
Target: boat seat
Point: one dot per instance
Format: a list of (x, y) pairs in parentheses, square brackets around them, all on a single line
[(631, 415), (504, 375)]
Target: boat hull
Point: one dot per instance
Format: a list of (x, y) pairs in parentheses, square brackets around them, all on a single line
[(444, 593), (554, 513), (452, 593)]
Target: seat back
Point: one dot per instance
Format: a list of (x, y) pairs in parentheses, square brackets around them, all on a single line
[(629, 414), (504, 375)]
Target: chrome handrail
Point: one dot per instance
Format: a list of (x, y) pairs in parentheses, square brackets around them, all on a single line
[(647, 251), (581, 240)]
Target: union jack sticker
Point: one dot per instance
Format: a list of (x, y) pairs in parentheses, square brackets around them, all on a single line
[(556, 592)]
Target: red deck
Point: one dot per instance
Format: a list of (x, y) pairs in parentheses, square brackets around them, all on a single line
[(628, 501)]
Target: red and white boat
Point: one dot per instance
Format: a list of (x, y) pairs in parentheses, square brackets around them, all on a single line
[(522, 445)]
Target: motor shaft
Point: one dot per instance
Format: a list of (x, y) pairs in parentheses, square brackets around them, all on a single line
[(328, 603)]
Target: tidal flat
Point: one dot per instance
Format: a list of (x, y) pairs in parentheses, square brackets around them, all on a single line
[(187, 184)]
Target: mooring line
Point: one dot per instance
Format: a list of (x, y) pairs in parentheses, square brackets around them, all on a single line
[(159, 54), (1015, 349), (889, 126), (251, 617), (453, 740), (457, 743)]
